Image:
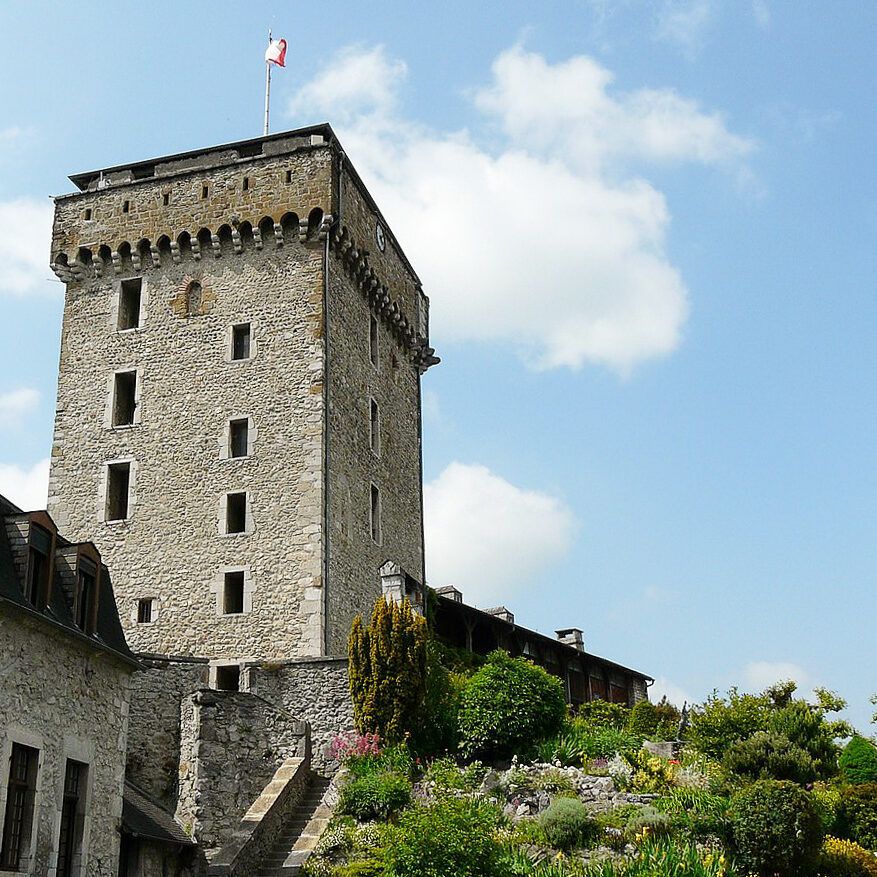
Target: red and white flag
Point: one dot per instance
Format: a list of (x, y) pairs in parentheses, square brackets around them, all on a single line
[(276, 53)]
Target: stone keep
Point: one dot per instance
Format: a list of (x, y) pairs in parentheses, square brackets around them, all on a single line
[(239, 320)]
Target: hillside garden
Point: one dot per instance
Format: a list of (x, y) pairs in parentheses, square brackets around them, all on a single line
[(466, 767)]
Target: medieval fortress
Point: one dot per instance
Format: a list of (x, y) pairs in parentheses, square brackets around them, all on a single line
[(238, 422), (236, 474)]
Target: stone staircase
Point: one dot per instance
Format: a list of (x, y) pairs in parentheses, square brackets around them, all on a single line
[(301, 834)]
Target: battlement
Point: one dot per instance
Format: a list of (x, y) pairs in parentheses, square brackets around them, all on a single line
[(266, 193)]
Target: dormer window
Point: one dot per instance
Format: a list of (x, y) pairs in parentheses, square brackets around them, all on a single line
[(39, 566)]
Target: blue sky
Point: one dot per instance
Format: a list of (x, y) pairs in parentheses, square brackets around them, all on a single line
[(647, 230)]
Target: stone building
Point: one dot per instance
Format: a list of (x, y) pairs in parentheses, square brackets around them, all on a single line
[(65, 674), (238, 432), (238, 419)]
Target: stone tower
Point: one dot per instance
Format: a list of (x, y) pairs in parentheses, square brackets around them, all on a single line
[(238, 418)]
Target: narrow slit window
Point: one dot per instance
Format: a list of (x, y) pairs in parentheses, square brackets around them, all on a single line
[(124, 398), (129, 303), (246, 185), (20, 794), (373, 341), (205, 191), (87, 213), (118, 484), (376, 515), (235, 513), (289, 176), (72, 821), (165, 199), (240, 341), (374, 427), (233, 593), (126, 207), (228, 678), (145, 610), (193, 298), (238, 437), (86, 595)]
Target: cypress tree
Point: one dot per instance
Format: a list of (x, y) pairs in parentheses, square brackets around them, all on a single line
[(387, 670)]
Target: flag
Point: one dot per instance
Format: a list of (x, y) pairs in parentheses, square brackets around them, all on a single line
[(276, 53)]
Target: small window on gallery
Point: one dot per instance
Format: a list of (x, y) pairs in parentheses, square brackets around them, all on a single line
[(228, 677), (235, 512), (238, 437), (118, 484), (233, 593), (129, 303), (373, 341), (18, 822), (374, 427), (375, 516), (124, 396), (86, 594), (39, 565), (240, 341), (72, 819), (145, 610)]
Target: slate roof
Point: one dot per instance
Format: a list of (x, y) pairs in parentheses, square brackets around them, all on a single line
[(144, 817), (108, 634)]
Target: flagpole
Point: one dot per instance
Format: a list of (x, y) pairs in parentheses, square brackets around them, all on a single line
[(267, 85)]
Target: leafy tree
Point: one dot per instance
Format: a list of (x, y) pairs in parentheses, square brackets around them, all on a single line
[(805, 727), (858, 761), (388, 670), (767, 755), (509, 706), (643, 719), (719, 723)]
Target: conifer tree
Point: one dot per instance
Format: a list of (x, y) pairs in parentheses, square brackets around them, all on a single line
[(387, 669)]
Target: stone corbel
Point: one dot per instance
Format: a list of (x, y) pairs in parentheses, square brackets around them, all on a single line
[(216, 245), (278, 234), (175, 253)]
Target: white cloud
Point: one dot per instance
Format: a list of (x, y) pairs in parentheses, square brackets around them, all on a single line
[(759, 675), (685, 23), (674, 693), (27, 488), (553, 248), (24, 246), (15, 405), (490, 538), (358, 81), (13, 138)]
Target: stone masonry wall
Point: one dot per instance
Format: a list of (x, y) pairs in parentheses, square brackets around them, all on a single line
[(394, 384), (172, 547), (154, 724), (231, 745), (316, 691), (67, 700)]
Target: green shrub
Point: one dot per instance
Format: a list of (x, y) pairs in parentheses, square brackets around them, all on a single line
[(374, 795), (508, 706), (668, 720), (643, 719), (388, 670), (651, 773), (452, 837), (718, 723), (805, 726), (393, 759), (602, 714), (445, 773), (438, 730), (664, 857), (858, 761), (695, 813), (567, 823), (775, 828), (827, 800), (857, 814), (649, 822), (767, 755), (845, 858)]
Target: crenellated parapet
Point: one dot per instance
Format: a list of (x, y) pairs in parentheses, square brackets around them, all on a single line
[(355, 260)]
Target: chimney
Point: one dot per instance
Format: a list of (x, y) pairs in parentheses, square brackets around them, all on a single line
[(501, 612), (397, 585), (450, 592), (571, 636)]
